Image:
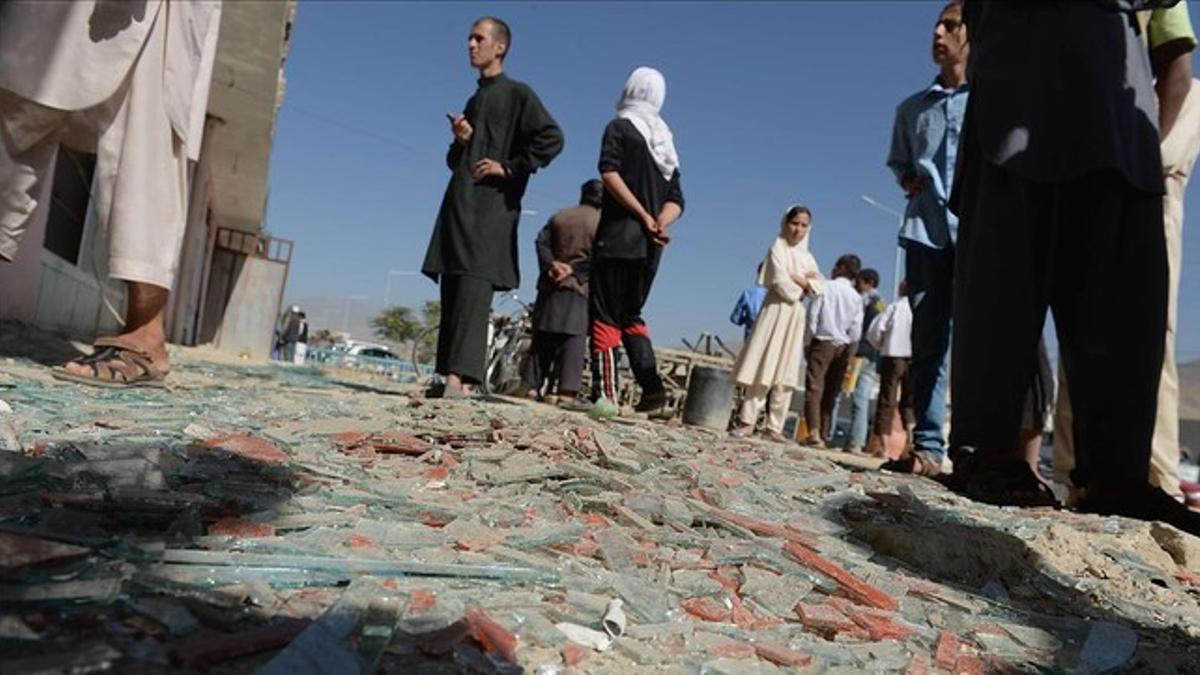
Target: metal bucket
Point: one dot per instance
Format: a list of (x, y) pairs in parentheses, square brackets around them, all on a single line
[(709, 398)]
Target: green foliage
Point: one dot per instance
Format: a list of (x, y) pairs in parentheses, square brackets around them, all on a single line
[(397, 324), (432, 312), (322, 337)]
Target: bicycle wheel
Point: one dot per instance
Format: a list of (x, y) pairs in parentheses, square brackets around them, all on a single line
[(504, 368)]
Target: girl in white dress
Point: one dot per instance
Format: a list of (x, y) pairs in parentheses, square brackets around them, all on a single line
[(770, 360)]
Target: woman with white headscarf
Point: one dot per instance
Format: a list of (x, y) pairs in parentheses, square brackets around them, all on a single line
[(642, 198), (770, 359)]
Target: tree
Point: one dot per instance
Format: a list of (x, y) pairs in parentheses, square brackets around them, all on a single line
[(397, 324), (432, 312), (322, 337)]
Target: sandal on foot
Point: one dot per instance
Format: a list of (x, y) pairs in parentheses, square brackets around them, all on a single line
[(115, 363), (916, 464), (1008, 483), (775, 437)]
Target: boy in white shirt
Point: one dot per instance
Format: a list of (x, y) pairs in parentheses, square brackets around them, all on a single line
[(891, 334)]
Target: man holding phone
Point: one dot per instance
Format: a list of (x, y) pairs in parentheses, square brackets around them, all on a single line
[(502, 137)]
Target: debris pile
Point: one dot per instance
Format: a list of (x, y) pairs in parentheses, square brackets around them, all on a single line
[(282, 520)]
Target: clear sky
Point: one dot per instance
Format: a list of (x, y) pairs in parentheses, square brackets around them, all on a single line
[(771, 104)]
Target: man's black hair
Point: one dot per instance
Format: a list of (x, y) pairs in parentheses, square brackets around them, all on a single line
[(500, 31), (850, 265), (591, 193)]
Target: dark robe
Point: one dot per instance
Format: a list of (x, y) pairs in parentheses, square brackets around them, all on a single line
[(476, 229)]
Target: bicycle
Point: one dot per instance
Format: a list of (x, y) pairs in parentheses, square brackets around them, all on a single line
[(510, 337)]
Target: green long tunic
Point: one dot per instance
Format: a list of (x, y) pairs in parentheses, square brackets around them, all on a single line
[(476, 229)]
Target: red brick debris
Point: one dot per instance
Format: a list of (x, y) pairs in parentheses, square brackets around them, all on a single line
[(706, 609), (733, 650), (248, 447), (496, 639), (854, 588), (781, 655), (244, 529)]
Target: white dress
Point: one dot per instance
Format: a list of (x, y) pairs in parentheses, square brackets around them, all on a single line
[(773, 354)]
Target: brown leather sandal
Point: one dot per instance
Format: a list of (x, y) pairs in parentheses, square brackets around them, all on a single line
[(116, 363), (916, 464)]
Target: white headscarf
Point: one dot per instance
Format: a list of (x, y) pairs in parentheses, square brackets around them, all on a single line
[(640, 103)]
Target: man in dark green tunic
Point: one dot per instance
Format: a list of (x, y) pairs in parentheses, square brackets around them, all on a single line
[(502, 137)]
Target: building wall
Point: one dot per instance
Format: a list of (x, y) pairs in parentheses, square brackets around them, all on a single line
[(42, 289)]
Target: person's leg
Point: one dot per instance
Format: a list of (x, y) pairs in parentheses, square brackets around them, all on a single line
[(834, 377), (1030, 441), (147, 213), (752, 405), (1179, 151), (1063, 452), (537, 365), (25, 163), (1111, 227), (636, 336), (1039, 408), (606, 286), (930, 274), (1164, 457), (780, 397), (645, 368), (1118, 228), (820, 355), (1001, 291), (462, 335), (885, 405), (907, 416), (142, 201), (860, 413), (570, 364)]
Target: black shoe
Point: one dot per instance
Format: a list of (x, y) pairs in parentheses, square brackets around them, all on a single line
[(651, 402), (1144, 502)]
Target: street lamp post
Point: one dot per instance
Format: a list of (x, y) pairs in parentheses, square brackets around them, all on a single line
[(387, 294), (346, 311), (899, 262)]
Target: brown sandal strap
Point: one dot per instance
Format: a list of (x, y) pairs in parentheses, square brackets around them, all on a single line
[(131, 365), (122, 343), (915, 464)]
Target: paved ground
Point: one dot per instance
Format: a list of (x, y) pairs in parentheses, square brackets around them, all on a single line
[(253, 516)]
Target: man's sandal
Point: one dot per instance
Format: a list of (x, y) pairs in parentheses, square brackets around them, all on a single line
[(115, 363), (916, 464)]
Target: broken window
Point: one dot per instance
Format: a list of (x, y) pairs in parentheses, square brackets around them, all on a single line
[(69, 201)]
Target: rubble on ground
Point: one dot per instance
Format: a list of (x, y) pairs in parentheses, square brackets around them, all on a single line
[(286, 520)]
